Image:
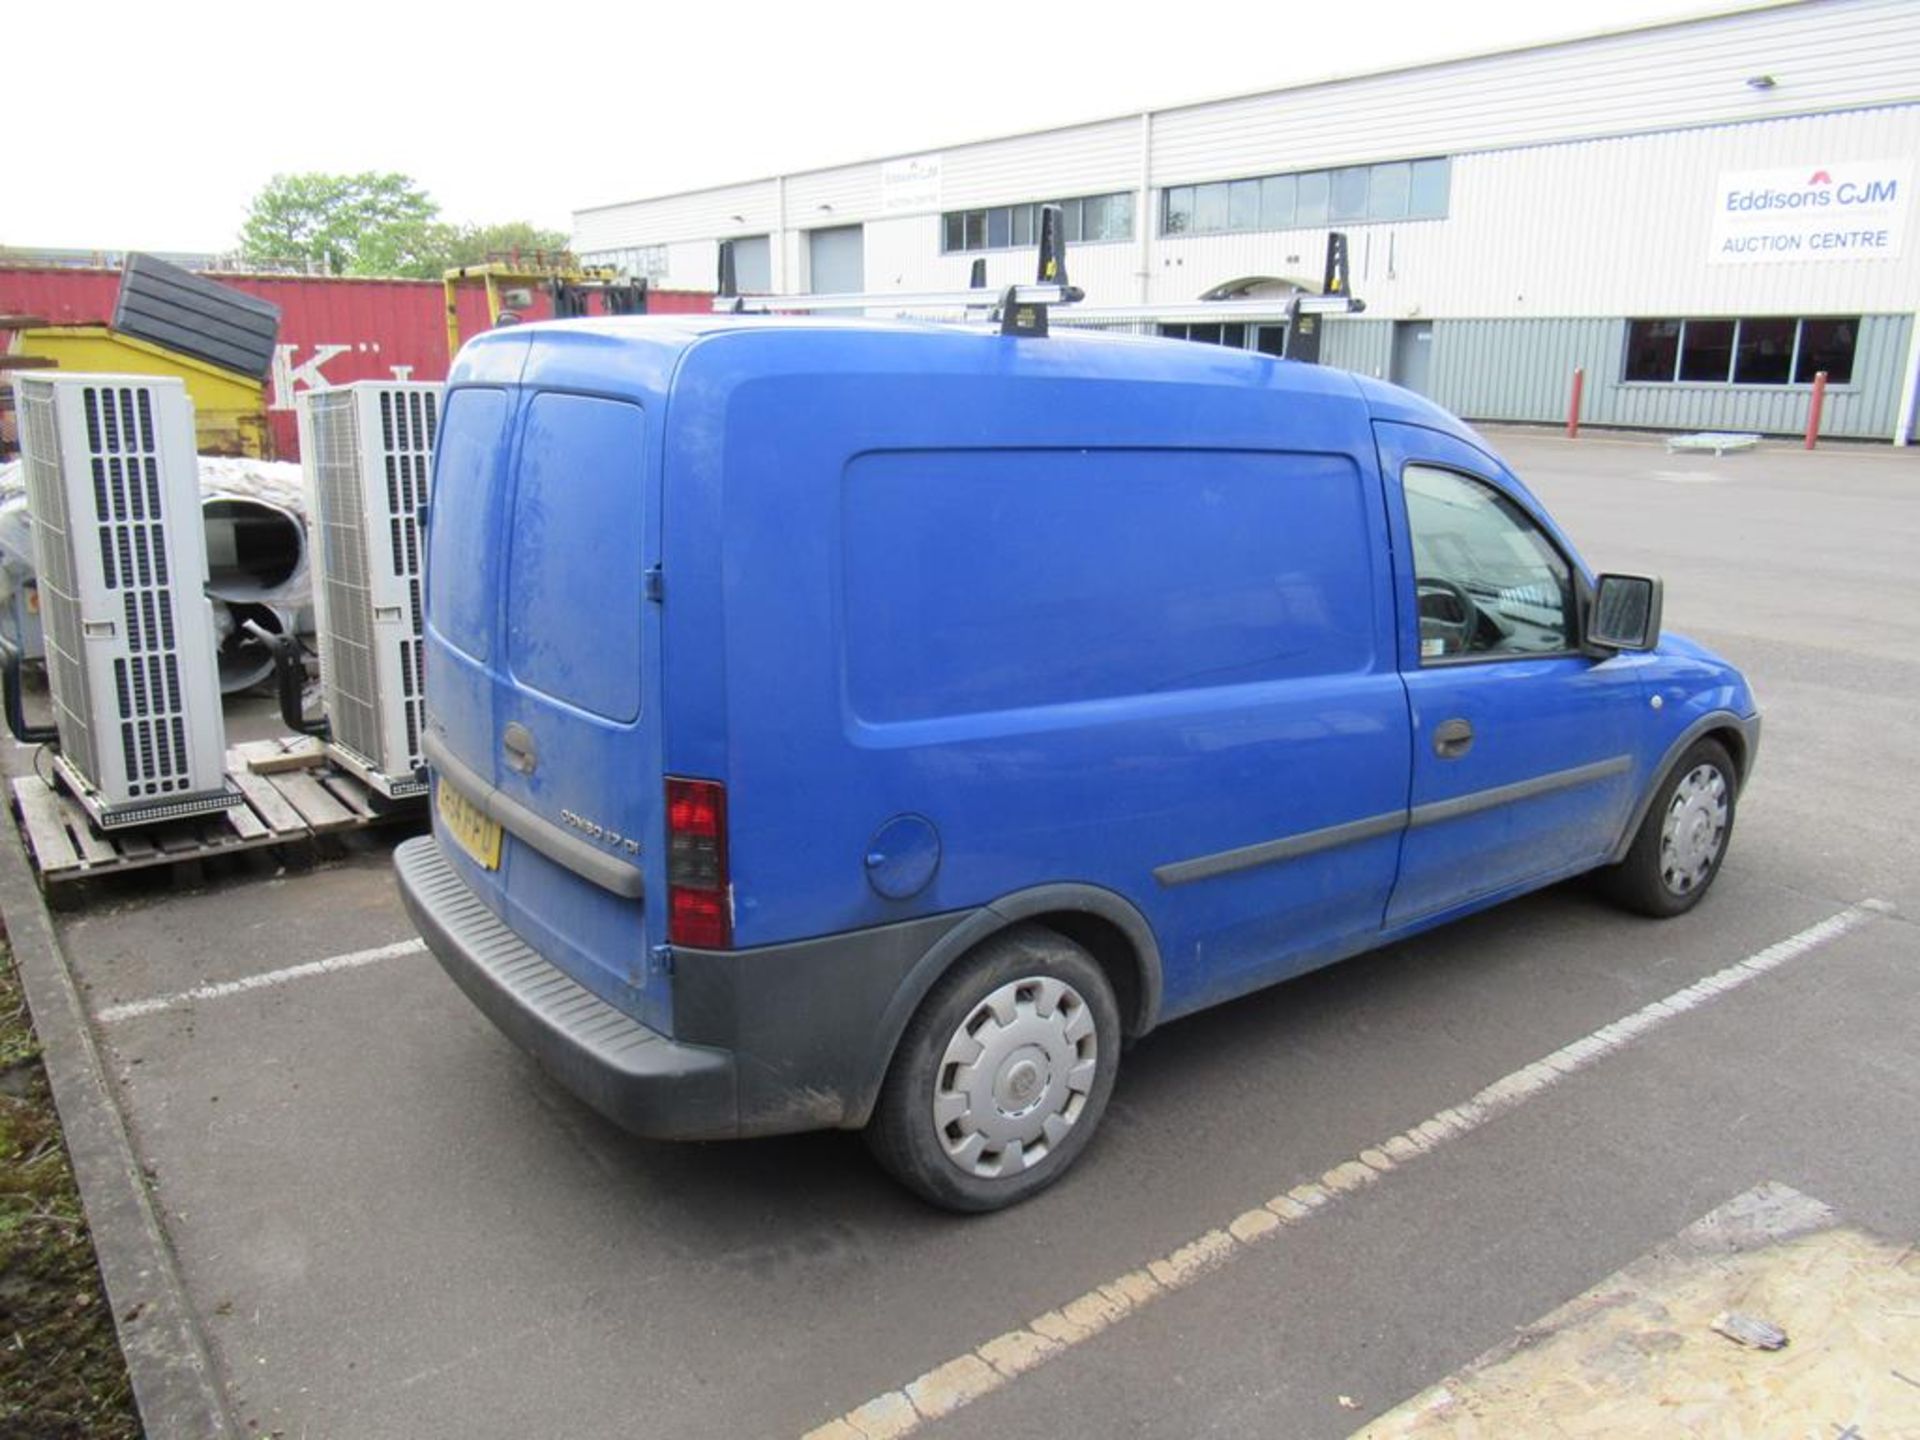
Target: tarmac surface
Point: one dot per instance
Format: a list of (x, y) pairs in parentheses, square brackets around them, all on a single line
[(389, 1222)]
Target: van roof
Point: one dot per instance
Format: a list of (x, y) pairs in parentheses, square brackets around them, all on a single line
[(499, 356)]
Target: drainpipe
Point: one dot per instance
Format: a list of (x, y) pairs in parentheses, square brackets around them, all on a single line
[(1909, 387), (1143, 223), (779, 266)]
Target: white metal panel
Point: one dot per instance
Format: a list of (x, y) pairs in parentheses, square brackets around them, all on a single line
[(749, 209), (1049, 165), (692, 265), (367, 456), (114, 489), (833, 197), (1604, 227), (1830, 55), (1838, 54), (1623, 227)]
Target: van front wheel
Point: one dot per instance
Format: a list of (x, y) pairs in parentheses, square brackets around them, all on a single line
[(1002, 1075), (1683, 838)]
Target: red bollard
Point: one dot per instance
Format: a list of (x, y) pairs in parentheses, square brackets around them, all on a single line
[(1573, 403), (1813, 409)]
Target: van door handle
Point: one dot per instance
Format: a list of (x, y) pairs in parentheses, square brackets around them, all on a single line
[(1452, 739)]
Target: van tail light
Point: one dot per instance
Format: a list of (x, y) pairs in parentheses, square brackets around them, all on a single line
[(699, 894)]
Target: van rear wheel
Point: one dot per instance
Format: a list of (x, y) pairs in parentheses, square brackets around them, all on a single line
[(1002, 1074)]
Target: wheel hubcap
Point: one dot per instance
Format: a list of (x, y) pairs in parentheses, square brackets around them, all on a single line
[(1015, 1076), (1694, 830)]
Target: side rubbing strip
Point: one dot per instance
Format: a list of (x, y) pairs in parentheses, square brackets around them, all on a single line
[(1290, 847), (1435, 811), (536, 830)]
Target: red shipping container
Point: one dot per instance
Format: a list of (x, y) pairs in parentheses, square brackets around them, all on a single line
[(332, 330)]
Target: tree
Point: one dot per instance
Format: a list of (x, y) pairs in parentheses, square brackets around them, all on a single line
[(365, 224), (374, 224), (471, 244)]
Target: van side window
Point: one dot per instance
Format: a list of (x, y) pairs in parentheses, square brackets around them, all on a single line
[(1487, 581)]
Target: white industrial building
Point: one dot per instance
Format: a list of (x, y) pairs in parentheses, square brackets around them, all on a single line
[(1700, 215)]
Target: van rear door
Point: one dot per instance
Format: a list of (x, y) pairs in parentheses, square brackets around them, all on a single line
[(542, 675)]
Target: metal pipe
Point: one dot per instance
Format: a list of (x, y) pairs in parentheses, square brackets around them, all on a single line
[(1143, 246), (1573, 402), (1909, 386), (1814, 407)]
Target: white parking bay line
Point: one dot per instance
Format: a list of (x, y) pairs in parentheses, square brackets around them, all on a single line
[(984, 1369), (350, 961)]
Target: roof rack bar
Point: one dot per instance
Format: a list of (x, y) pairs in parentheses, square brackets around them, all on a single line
[(893, 300), (1023, 309), (1277, 308)]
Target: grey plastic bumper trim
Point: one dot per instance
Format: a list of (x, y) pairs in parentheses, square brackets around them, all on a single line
[(654, 1086), (535, 830)]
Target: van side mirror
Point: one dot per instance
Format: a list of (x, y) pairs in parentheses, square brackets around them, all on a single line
[(1626, 613)]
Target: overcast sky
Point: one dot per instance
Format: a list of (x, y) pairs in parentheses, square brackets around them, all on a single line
[(149, 126)]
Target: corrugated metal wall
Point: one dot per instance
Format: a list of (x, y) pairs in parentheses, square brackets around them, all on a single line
[(1828, 55), (1522, 370), (1624, 227), (1363, 346), (1835, 54), (1600, 227)]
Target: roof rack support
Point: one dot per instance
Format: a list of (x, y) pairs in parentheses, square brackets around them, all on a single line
[(1023, 310)]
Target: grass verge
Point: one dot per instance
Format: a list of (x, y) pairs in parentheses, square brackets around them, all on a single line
[(61, 1372)]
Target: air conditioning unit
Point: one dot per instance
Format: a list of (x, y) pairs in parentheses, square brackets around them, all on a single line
[(113, 484), (367, 450)]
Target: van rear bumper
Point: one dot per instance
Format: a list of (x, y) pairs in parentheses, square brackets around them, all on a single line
[(638, 1078)]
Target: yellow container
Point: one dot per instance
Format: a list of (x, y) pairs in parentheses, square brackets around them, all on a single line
[(230, 411)]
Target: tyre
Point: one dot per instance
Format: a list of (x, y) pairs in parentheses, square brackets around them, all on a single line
[(1002, 1074), (1682, 839)]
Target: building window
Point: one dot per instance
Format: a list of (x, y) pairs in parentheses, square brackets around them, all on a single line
[(1752, 350), (1268, 339), (1826, 345), (1087, 219), (1351, 195), (1706, 350)]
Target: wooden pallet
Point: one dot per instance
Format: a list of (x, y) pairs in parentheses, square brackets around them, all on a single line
[(291, 793)]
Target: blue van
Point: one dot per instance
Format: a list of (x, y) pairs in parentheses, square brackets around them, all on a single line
[(878, 724)]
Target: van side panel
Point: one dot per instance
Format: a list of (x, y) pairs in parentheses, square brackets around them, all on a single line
[(1005, 592)]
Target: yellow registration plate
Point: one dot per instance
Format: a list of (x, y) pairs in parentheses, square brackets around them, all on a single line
[(471, 830)]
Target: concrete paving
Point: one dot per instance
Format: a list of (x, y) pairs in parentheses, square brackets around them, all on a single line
[(391, 1223)]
